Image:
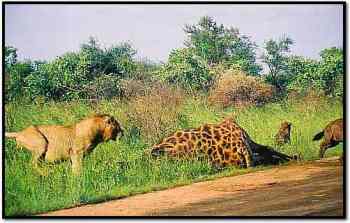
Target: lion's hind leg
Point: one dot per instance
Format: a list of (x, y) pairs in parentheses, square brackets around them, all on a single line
[(326, 144), (34, 141)]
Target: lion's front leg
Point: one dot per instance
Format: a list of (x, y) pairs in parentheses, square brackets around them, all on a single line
[(80, 147), (76, 159), (76, 156)]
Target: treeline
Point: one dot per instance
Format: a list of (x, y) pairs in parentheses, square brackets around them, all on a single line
[(212, 53)]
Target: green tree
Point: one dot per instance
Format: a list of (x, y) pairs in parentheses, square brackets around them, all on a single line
[(15, 79), (325, 75), (186, 69), (301, 73), (92, 72), (275, 58), (10, 56), (15, 74), (40, 83), (146, 70), (116, 60), (92, 57), (331, 71), (217, 44), (119, 60)]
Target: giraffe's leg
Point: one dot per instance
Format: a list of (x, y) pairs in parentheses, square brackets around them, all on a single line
[(248, 157), (218, 165)]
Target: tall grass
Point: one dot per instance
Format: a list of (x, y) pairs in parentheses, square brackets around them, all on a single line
[(118, 169)]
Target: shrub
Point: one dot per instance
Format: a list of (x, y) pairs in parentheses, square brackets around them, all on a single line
[(187, 70), (302, 72), (145, 70), (235, 88), (155, 115), (92, 72), (308, 101), (331, 71), (102, 87), (324, 76), (15, 76), (131, 88)]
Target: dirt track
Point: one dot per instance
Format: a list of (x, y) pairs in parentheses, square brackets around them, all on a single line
[(311, 189)]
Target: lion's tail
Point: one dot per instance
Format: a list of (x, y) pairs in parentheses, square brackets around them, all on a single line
[(11, 134), (318, 136)]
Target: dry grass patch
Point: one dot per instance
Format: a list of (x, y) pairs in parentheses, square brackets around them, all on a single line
[(156, 114), (235, 88)]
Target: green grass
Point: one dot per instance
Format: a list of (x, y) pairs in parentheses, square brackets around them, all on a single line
[(119, 169)]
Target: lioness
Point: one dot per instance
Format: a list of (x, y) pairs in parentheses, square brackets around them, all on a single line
[(283, 134), (56, 142), (332, 133)]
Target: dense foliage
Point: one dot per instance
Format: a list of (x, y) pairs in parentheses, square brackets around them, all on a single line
[(217, 44), (10, 56), (15, 76), (276, 61), (96, 72), (325, 75), (92, 72), (186, 69), (331, 71)]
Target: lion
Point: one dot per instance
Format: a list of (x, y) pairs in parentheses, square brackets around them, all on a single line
[(57, 142), (283, 134), (333, 135)]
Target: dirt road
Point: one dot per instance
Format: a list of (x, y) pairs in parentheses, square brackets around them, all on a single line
[(310, 189)]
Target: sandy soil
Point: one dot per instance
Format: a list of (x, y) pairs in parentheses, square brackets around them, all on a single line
[(308, 189)]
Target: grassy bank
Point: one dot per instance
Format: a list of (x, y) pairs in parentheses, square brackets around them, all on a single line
[(117, 169)]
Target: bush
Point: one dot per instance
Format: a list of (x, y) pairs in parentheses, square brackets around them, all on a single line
[(331, 71), (155, 115), (60, 79), (302, 72), (236, 88), (309, 101), (131, 88), (145, 70), (15, 76), (325, 76), (92, 72), (187, 70), (102, 87)]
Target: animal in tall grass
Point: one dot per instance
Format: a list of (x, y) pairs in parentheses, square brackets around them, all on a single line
[(224, 144), (333, 135), (283, 134), (56, 142)]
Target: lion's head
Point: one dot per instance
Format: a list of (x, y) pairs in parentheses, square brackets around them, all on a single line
[(286, 125), (111, 128)]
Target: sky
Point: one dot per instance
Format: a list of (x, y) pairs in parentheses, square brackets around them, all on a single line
[(45, 31)]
